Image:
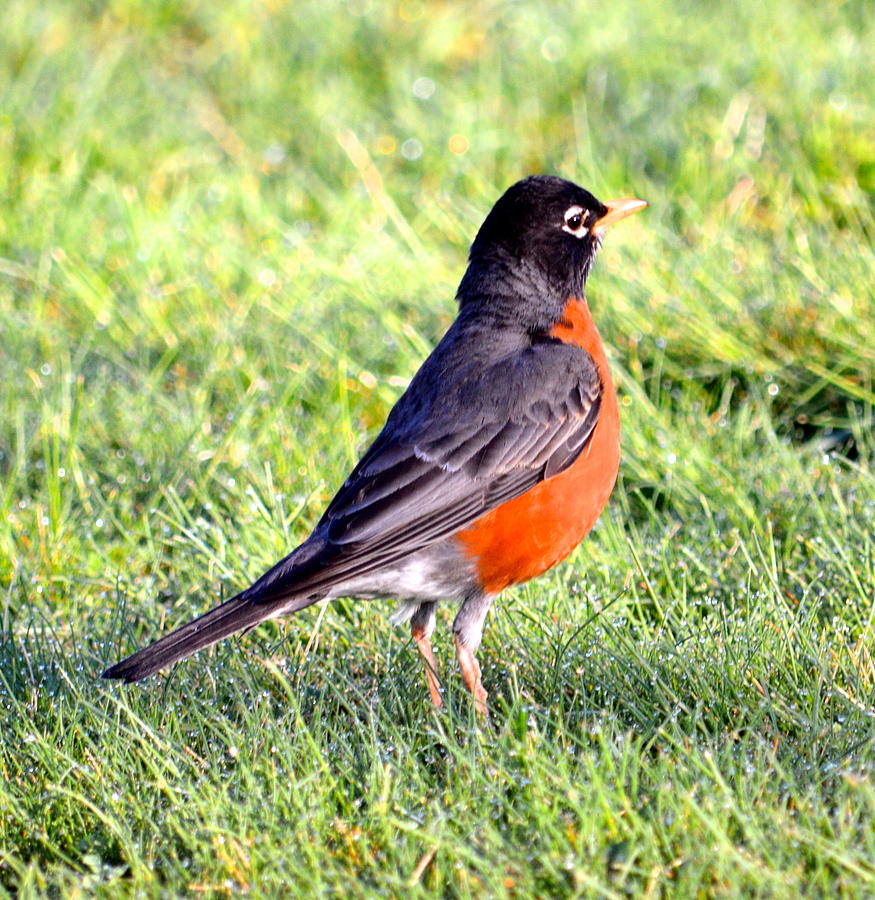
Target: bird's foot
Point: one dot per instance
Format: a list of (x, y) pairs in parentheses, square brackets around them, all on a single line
[(471, 676), (424, 646)]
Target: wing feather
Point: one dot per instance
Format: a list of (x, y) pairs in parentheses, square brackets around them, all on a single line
[(437, 467)]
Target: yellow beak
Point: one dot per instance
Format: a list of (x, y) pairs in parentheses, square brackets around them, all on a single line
[(617, 209)]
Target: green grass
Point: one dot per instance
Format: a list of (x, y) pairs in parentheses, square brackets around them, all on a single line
[(217, 271)]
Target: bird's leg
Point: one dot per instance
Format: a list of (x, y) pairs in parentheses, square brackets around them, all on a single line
[(471, 676), (468, 630), (421, 627), (424, 646)]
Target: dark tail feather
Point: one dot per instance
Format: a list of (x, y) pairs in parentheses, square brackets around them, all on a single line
[(232, 616)]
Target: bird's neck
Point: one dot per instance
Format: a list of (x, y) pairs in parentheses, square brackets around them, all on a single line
[(516, 291)]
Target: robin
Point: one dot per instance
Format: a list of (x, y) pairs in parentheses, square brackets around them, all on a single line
[(492, 466)]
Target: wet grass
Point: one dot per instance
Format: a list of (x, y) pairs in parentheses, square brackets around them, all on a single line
[(231, 233)]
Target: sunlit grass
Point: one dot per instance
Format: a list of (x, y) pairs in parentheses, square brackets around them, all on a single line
[(230, 234)]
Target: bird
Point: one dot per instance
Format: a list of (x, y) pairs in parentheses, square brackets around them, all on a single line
[(492, 466)]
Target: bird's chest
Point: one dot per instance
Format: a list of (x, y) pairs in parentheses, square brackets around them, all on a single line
[(527, 535)]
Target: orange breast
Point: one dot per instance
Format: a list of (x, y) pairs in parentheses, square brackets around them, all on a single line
[(527, 535)]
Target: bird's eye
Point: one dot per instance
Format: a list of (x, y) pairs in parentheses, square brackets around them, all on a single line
[(574, 221)]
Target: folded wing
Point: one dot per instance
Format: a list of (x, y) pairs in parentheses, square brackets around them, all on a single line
[(434, 470)]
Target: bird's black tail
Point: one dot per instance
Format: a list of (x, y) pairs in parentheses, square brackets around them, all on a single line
[(234, 615), (282, 590)]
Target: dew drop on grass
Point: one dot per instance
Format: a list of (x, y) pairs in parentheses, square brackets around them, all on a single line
[(411, 149), (423, 88), (274, 154)]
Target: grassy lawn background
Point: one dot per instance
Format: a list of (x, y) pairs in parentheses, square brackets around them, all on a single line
[(229, 234)]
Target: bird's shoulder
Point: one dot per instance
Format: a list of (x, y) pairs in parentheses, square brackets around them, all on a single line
[(480, 374)]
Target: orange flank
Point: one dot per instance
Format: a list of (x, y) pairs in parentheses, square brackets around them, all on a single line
[(527, 535)]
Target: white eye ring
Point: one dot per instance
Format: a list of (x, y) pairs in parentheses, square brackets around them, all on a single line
[(575, 221)]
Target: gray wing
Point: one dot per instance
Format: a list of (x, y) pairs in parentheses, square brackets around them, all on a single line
[(448, 454)]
